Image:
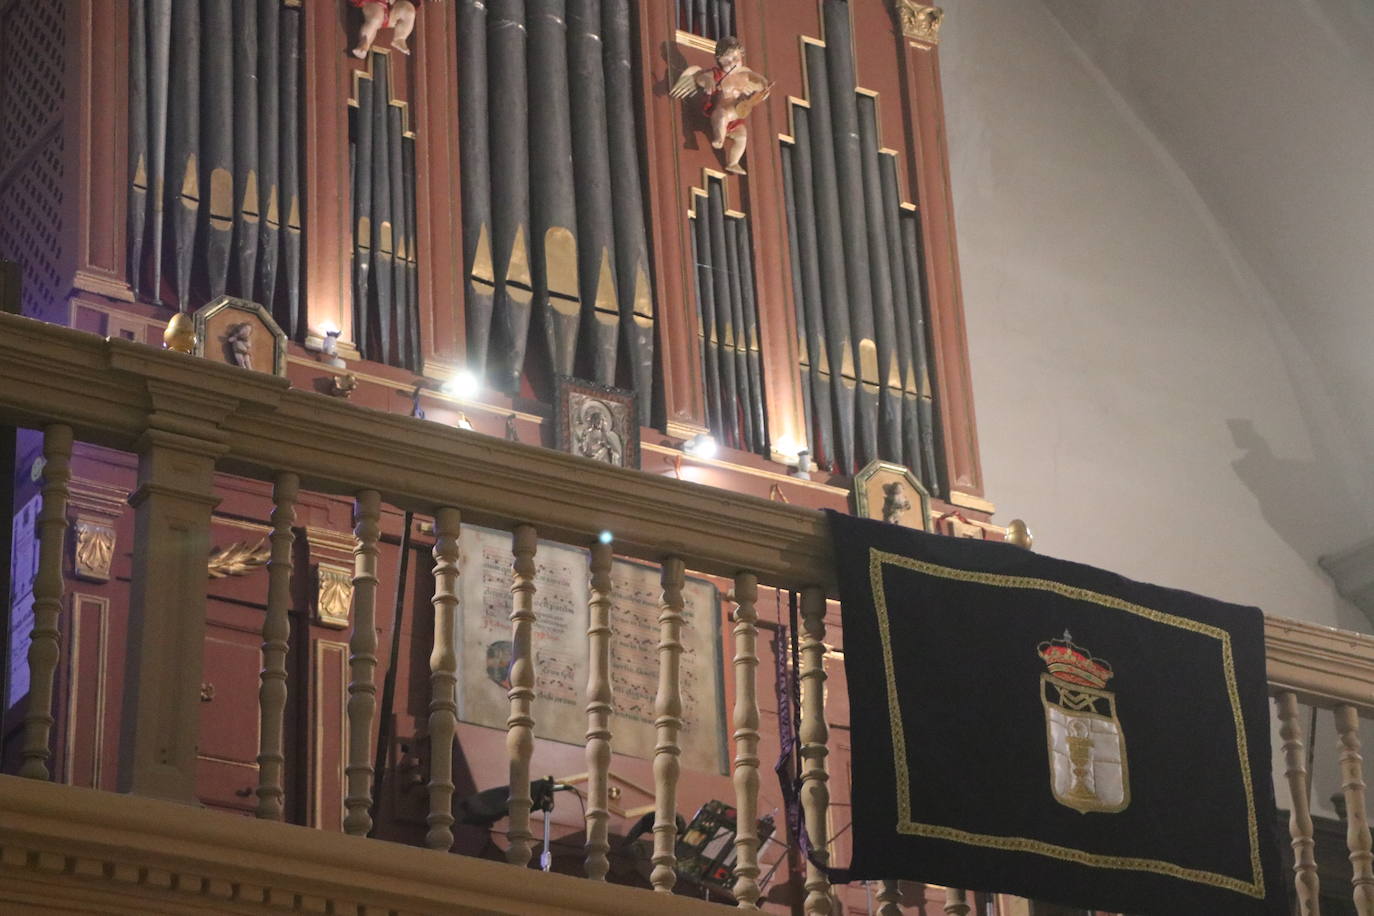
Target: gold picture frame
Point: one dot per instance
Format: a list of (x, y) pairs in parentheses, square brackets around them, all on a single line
[(883, 490)]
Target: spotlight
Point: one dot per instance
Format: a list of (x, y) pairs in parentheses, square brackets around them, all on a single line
[(702, 445), (463, 385), (605, 537)]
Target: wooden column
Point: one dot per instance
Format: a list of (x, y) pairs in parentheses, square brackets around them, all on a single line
[(520, 724), (276, 635), (96, 149), (443, 680), (362, 663), (599, 710), (47, 601), (329, 296), (815, 794), (1300, 816), (928, 160), (172, 508), (1356, 816), (889, 898), (668, 722), (745, 595), (679, 362)]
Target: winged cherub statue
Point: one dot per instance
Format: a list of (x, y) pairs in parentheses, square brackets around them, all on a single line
[(732, 91), (398, 15)]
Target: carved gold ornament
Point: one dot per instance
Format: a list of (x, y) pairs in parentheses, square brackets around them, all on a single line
[(335, 585), (94, 550), (919, 21), (238, 559)]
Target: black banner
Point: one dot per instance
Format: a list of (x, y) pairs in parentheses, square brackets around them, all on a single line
[(1031, 726)]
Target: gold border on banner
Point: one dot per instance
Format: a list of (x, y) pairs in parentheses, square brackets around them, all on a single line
[(879, 558)]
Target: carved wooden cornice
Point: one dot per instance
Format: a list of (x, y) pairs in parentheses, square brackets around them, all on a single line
[(920, 22)]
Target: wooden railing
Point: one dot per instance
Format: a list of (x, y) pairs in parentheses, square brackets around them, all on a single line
[(187, 419)]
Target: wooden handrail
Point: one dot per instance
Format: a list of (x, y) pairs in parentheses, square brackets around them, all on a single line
[(111, 391)]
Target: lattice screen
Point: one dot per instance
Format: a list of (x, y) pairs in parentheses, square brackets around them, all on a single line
[(31, 96)]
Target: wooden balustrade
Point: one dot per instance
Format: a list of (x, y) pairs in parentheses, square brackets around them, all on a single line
[(443, 680), (520, 725), (362, 664), (600, 708), (276, 635), (172, 410)]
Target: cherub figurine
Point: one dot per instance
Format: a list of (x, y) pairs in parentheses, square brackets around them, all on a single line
[(239, 343), (733, 90), (399, 15)]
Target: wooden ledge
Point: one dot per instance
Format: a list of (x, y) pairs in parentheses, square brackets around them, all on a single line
[(82, 851)]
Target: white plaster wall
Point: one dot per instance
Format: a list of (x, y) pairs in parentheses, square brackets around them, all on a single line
[(1141, 400)]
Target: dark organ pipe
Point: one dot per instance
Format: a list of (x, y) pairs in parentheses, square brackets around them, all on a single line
[(853, 219), (138, 138), (553, 209), (595, 206), (631, 243), (246, 177), (756, 405), (379, 336), (362, 211), (474, 149), (290, 168), (510, 173), (740, 352), (830, 251), (725, 333), (269, 146), (930, 470), (706, 303), (395, 349), (911, 424), (185, 143), (884, 321), (803, 335), (217, 107), (159, 77), (826, 387), (411, 354)]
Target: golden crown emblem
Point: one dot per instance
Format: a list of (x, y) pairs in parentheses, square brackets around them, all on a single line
[(1070, 662)]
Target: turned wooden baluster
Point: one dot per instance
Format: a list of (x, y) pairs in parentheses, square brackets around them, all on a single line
[(599, 711), (956, 902), (889, 898), (745, 595), (362, 663), (47, 601), (814, 733), (1356, 819), (668, 722), (520, 724), (276, 635), (443, 680), (1300, 817)]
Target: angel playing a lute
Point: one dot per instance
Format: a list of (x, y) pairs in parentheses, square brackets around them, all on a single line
[(732, 91)]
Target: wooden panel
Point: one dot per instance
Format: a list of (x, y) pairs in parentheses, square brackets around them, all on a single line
[(229, 718), (87, 706), (329, 724)]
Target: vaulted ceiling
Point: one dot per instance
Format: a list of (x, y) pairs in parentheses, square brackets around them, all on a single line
[(1268, 108)]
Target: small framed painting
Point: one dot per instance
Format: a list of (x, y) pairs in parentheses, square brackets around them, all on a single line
[(240, 333), (891, 493), (596, 421)]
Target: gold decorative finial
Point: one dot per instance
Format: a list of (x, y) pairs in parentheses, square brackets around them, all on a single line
[(1019, 534), (180, 334), (920, 21)]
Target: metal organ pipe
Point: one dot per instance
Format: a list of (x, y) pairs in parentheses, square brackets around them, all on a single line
[(480, 285), (185, 143)]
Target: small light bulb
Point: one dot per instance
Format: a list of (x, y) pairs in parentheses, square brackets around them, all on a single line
[(605, 537), (463, 385), (701, 445)]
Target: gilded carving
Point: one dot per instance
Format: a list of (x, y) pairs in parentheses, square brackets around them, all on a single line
[(238, 559), (335, 585), (919, 21), (94, 550)]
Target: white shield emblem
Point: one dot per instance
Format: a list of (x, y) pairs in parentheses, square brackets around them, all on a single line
[(1087, 749)]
